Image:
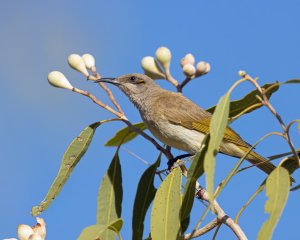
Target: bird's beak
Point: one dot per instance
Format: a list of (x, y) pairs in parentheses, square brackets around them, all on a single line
[(108, 80)]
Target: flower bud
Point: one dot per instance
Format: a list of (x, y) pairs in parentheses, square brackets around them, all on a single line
[(163, 56), (187, 59), (202, 68), (242, 73), (151, 68), (57, 79), (24, 232), (76, 62), (189, 70), (40, 227), (35, 236), (88, 60)]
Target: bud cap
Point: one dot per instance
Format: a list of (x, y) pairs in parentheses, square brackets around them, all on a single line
[(57, 79), (202, 68), (77, 63), (88, 60), (24, 232), (163, 56), (151, 68), (187, 59), (189, 70)]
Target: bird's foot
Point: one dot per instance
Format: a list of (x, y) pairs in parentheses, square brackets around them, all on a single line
[(174, 160)]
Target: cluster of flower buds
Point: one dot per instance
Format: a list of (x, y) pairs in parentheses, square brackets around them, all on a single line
[(80, 63), (190, 70), (37, 232), (158, 67)]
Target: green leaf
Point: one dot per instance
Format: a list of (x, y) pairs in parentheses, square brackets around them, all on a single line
[(238, 106), (124, 135), (217, 129), (110, 197), (292, 81), (95, 231), (165, 218), (116, 227), (143, 198), (91, 232), (277, 191), (194, 172), (71, 157)]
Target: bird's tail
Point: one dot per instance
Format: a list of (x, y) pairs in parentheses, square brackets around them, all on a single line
[(260, 162)]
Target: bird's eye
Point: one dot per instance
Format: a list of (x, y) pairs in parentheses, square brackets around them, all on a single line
[(132, 78)]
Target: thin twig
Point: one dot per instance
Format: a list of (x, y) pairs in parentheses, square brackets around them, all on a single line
[(170, 78), (184, 82), (98, 102), (265, 101), (201, 231), (221, 215)]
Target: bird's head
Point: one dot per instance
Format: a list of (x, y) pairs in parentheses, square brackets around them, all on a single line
[(132, 84)]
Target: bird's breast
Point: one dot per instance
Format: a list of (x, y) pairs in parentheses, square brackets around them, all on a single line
[(175, 135)]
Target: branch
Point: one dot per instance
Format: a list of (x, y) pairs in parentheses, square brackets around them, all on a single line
[(208, 227), (265, 102)]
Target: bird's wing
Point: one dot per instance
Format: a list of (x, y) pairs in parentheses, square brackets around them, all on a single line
[(179, 110)]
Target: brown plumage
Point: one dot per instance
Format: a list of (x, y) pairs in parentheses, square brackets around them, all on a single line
[(177, 121)]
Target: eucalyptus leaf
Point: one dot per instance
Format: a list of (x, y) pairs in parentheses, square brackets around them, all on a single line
[(125, 135), (94, 232), (165, 218), (217, 129), (277, 191), (194, 172), (110, 197), (144, 196), (238, 106), (71, 157)]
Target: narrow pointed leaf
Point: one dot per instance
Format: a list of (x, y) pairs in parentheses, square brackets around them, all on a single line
[(124, 135), (71, 157), (194, 172), (277, 191), (292, 81), (165, 218), (238, 106), (217, 129), (144, 196), (110, 197)]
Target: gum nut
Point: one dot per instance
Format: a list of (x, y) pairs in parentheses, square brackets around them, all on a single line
[(151, 67), (88, 60), (35, 236), (163, 56), (187, 59), (189, 70), (203, 68), (24, 231), (57, 79), (77, 63), (40, 227)]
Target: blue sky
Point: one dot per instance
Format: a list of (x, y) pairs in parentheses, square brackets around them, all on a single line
[(38, 122)]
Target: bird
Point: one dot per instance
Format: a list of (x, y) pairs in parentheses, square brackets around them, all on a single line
[(177, 121)]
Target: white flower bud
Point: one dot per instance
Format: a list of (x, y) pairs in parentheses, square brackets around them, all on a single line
[(24, 232), (242, 73), (40, 227), (88, 60), (202, 68), (35, 236), (187, 59), (189, 70), (151, 68), (76, 62), (163, 56), (57, 79)]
